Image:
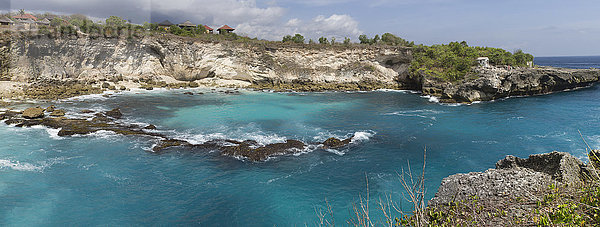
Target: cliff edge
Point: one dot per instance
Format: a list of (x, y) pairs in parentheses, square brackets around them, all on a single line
[(517, 192)]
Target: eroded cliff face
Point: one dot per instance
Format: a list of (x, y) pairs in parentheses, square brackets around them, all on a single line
[(217, 64)]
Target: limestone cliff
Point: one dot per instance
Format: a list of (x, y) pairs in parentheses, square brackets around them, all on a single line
[(210, 63), (167, 61)]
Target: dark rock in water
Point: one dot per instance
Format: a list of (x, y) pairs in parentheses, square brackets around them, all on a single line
[(200, 93), (9, 115), (166, 143), (58, 113), (14, 121), (247, 151), (50, 108), (33, 112), (334, 143), (87, 111), (188, 93), (99, 117), (114, 113)]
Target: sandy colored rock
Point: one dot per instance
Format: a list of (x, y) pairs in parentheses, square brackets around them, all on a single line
[(33, 112)]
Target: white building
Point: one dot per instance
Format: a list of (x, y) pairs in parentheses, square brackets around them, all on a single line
[(483, 62)]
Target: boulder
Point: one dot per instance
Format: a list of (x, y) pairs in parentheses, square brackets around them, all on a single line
[(105, 85), (333, 143), (114, 113), (58, 113), (50, 108), (150, 127), (188, 93), (33, 112)]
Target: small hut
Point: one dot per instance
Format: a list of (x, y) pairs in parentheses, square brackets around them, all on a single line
[(483, 62), (27, 24), (5, 22), (165, 24), (187, 25), (209, 30), (225, 29), (45, 22)]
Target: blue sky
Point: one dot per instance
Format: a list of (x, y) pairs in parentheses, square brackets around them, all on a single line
[(544, 28)]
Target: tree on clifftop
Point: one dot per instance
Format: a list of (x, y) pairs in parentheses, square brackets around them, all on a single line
[(114, 21), (323, 40), (296, 38)]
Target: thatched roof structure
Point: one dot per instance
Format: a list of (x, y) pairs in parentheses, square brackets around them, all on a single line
[(187, 23), (165, 23)]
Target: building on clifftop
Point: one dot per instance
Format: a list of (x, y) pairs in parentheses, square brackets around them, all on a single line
[(209, 30), (186, 25), (483, 62), (5, 22), (225, 29), (24, 17), (165, 24), (45, 21)]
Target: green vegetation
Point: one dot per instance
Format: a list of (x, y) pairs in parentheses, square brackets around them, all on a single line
[(385, 39), (295, 39), (323, 40), (453, 61)]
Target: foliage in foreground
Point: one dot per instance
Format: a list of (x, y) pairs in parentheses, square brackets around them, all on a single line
[(453, 61)]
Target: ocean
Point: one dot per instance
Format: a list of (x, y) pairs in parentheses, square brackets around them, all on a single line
[(108, 179), (576, 62)]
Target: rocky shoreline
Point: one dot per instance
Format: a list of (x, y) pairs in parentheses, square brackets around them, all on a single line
[(107, 121), (487, 84), (42, 67)]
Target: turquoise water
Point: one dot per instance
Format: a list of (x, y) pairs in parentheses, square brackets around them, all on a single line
[(106, 179)]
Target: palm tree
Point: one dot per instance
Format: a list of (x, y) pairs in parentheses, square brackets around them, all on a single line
[(21, 11)]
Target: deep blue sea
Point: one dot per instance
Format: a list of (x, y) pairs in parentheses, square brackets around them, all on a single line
[(107, 179), (577, 62)]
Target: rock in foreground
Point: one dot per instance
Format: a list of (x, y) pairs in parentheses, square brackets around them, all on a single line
[(511, 192)]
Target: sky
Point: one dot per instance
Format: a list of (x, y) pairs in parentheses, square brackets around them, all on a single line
[(540, 27)]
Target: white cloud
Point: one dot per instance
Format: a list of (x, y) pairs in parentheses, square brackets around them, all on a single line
[(265, 22), (338, 26)]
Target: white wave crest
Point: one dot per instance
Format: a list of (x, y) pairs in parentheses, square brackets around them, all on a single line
[(52, 133), (19, 166), (392, 90), (432, 98), (361, 136), (28, 167)]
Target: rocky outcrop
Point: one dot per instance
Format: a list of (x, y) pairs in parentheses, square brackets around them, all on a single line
[(247, 150), (494, 83), (33, 112), (513, 177), (514, 187)]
